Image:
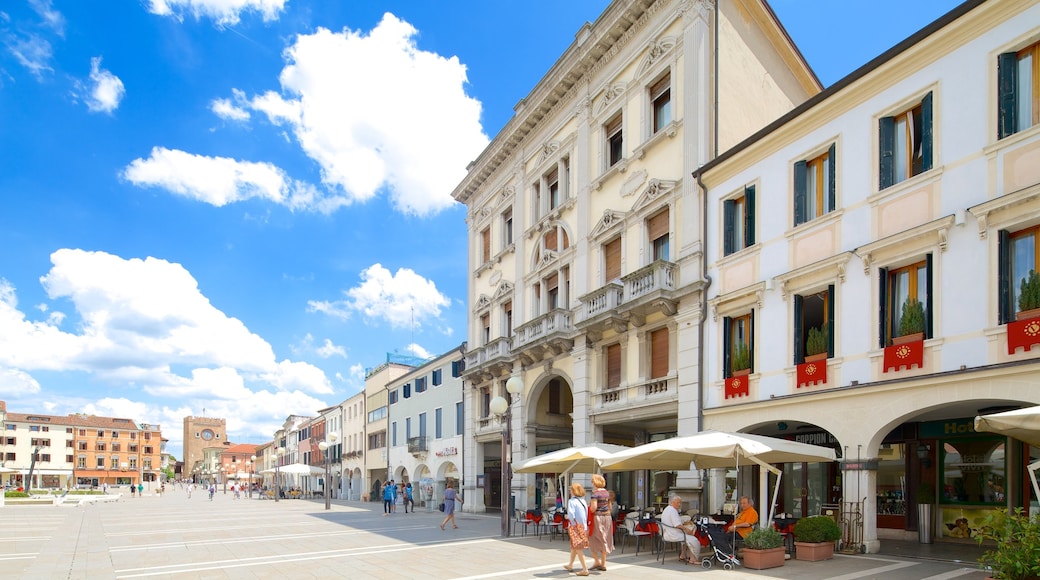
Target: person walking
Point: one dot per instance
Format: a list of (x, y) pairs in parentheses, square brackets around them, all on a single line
[(212, 491), (133, 489), (408, 498), (601, 538), (388, 498), (189, 488), (578, 515), (140, 490), (450, 496)]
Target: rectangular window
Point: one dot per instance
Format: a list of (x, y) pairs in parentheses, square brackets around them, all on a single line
[(99, 446), (615, 140), (100, 462), (437, 377), (507, 228), (457, 368), (101, 433), (420, 384), (407, 428), (507, 318), (814, 187), (45, 457), (69, 459), (738, 216), (553, 184), (1019, 253), (738, 340), (422, 424), (438, 423), (460, 418), (485, 402), (612, 260), (485, 245), (11, 440), (1018, 87), (81, 462), (82, 445), (661, 103), (115, 447), (35, 428), (613, 366), (485, 329), (147, 450), (906, 143), (906, 291), (659, 353), (814, 324), (70, 443), (393, 433), (393, 397), (12, 427), (555, 404), (657, 227), (406, 391), (552, 287)]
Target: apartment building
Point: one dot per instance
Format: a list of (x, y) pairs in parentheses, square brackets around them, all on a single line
[(353, 446), (888, 226), (50, 438), (586, 272), (377, 424)]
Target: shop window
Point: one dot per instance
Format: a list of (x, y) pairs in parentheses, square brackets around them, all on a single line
[(974, 471), (1019, 253), (905, 141), (1018, 87), (813, 312), (738, 216), (739, 345), (897, 287), (814, 187)]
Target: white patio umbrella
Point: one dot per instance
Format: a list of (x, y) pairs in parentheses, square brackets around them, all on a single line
[(586, 459), (1022, 424), (709, 449)]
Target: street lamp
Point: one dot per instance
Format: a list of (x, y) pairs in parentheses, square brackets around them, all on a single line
[(501, 408), (278, 451), (224, 472), (250, 464), (324, 446)]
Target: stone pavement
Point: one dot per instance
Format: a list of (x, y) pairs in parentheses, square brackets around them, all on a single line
[(174, 537)]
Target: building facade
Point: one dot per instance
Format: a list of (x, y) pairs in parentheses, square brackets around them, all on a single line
[(377, 466), (354, 443), (50, 438), (201, 433)]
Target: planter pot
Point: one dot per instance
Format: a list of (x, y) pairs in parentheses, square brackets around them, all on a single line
[(763, 559), (814, 551), (1027, 314), (924, 523), (913, 337), (816, 357), (741, 373)]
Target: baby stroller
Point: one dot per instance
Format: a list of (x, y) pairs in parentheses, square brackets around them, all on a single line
[(720, 545)]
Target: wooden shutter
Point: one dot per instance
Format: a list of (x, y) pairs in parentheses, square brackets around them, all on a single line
[(612, 260), (749, 216), (554, 396), (800, 185), (486, 244), (658, 225), (831, 164), (799, 331), (926, 133), (887, 144), (883, 307), (727, 345), (550, 240), (928, 299), (830, 321), (1005, 308), (728, 243), (1007, 81), (659, 353), (751, 340), (613, 366)]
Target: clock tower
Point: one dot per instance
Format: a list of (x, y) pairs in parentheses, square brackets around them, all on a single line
[(201, 433)]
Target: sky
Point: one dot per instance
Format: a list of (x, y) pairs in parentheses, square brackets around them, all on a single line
[(232, 208)]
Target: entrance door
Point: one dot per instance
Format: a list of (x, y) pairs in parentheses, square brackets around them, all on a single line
[(493, 485)]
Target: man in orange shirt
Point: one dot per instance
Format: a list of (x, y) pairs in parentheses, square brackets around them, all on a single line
[(746, 519)]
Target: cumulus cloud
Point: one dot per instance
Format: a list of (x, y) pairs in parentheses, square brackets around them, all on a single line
[(106, 90), (400, 299), (228, 111), (17, 383), (328, 350), (419, 351), (222, 12)]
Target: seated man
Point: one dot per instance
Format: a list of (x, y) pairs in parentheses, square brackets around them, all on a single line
[(675, 528), (746, 519)]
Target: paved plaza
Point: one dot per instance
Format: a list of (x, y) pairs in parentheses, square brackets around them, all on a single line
[(174, 537)]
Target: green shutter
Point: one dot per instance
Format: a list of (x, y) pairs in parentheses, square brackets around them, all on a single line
[(1005, 308), (929, 272), (799, 331), (887, 144), (749, 216), (800, 193), (831, 163), (1007, 99), (751, 340), (728, 243), (883, 307), (726, 345), (830, 321), (926, 133)]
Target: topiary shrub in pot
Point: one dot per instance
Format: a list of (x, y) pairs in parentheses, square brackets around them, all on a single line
[(764, 548), (1016, 555), (814, 538), (816, 344), (740, 360), (1029, 296), (911, 323)]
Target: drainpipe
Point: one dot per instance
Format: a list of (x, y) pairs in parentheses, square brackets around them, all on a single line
[(715, 128), (703, 318)]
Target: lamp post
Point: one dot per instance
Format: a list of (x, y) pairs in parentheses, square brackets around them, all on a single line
[(249, 465), (502, 409), (224, 475), (324, 446), (278, 451)]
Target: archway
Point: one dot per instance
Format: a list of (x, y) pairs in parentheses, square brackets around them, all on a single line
[(548, 425)]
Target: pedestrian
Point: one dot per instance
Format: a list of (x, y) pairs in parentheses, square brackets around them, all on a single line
[(408, 500), (189, 488), (449, 506), (388, 498), (212, 491), (132, 490), (601, 537), (140, 490), (104, 488), (578, 514), (393, 492)]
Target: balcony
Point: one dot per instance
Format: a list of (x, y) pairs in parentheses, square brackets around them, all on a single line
[(418, 445), (546, 336), (647, 393), (489, 361), (653, 288)]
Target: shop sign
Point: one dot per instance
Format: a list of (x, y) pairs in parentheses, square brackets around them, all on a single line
[(863, 465), (447, 451), (821, 438), (948, 428)]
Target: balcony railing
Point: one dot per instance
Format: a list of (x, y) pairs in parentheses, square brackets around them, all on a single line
[(418, 445), (605, 299), (645, 393), (558, 321), (660, 275), (496, 349)]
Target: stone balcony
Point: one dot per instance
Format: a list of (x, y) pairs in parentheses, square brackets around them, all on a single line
[(489, 361), (652, 288), (545, 336), (650, 392)]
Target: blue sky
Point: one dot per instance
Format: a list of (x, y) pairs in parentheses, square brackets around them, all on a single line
[(234, 207)]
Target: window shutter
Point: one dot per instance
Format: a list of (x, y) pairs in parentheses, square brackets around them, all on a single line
[(830, 321), (486, 242), (926, 133), (612, 260), (728, 243), (749, 216), (800, 184), (751, 340), (799, 331), (928, 299), (1005, 309), (550, 239), (883, 307), (831, 163), (613, 366), (658, 225), (1007, 80), (727, 345), (887, 144), (659, 353)]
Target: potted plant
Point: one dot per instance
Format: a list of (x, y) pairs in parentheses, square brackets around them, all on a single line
[(740, 360), (1017, 537), (1029, 297), (764, 548), (814, 538), (925, 500), (816, 344), (911, 323)]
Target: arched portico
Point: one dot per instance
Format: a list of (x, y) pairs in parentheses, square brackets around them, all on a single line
[(546, 424)]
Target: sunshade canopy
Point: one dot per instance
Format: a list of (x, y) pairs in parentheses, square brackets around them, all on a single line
[(1022, 424), (585, 459), (710, 449)]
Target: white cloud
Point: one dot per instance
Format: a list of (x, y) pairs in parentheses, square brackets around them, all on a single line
[(401, 299), (418, 351), (374, 110), (144, 323), (328, 349), (224, 109), (32, 51), (51, 17), (223, 12), (106, 90), (14, 382)]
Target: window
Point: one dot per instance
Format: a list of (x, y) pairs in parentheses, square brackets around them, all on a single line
[(68, 429), (552, 291), (659, 353), (99, 446), (393, 397), (35, 428), (45, 457), (393, 431), (553, 182), (457, 368), (657, 227), (133, 448), (69, 459), (613, 366), (82, 432), (485, 245), (906, 143), (406, 390), (101, 433), (438, 423), (814, 187), (615, 140), (420, 384), (554, 392), (661, 103), (436, 378), (147, 450), (115, 434), (460, 418), (738, 340), (81, 462), (70, 443), (1019, 90), (115, 447), (422, 424), (82, 445), (507, 228), (11, 440), (1019, 253), (813, 311), (898, 285), (12, 427), (485, 329), (612, 260), (485, 402), (100, 462), (133, 463), (973, 471), (407, 427), (738, 215)]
